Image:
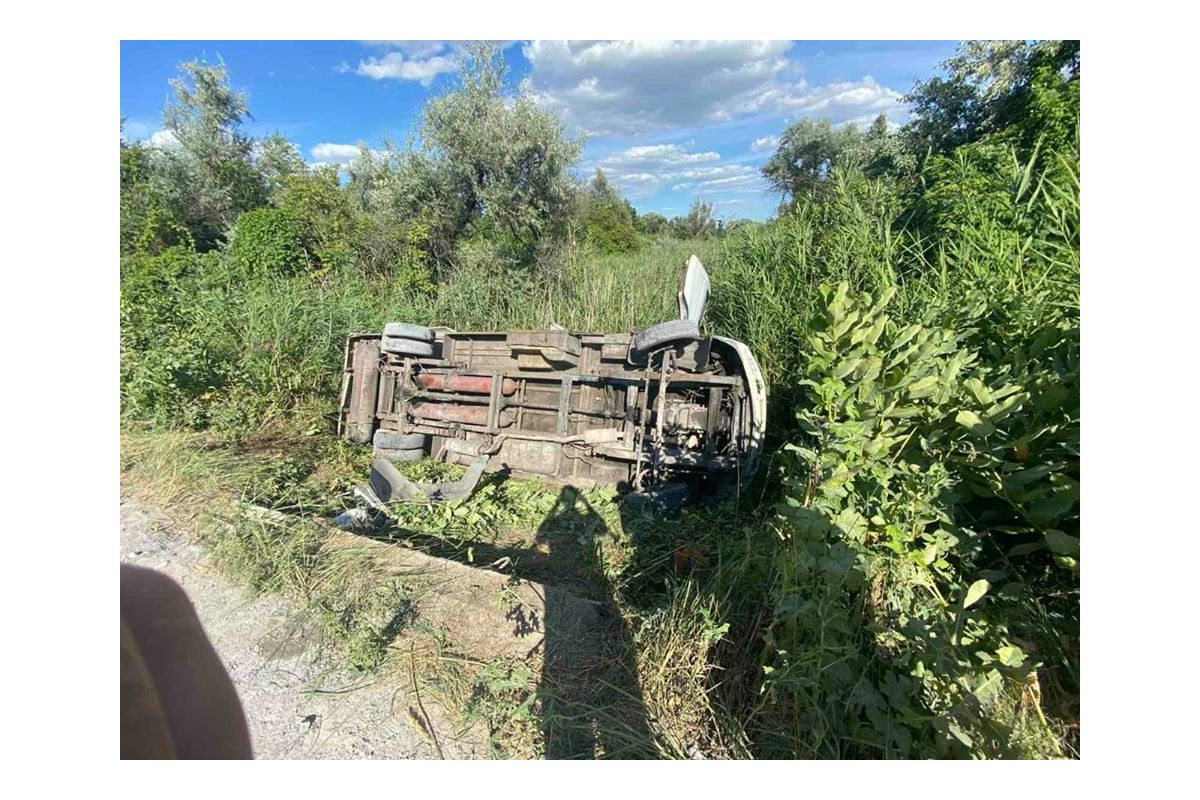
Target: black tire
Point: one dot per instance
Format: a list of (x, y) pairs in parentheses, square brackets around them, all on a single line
[(406, 330), (406, 347), (391, 440), (400, 455), (664, 334)]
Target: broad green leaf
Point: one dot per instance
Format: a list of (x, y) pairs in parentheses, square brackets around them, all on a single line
[(979, 390), (974, 423), (846, 324), (876, 331), (1061, 543), (960, 734), (923, 387), (905, 336), (989, 686), (1011, 656), (978, 589), (848, 366), (999, 411)]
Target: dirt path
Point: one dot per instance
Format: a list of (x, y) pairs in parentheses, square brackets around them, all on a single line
[(297, 704)]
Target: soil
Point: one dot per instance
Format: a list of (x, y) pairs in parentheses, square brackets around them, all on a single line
[(297, 703)]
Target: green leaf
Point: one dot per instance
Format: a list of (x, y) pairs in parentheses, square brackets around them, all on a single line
[(980, 392), (923, 387), (1011, 656), (848, 366), (978, 589), (989, 686), (998, 411), (1061, 543), (974, 423), (905, 336)]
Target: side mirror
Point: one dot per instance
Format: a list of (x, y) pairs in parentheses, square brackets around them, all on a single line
[(693, 290)]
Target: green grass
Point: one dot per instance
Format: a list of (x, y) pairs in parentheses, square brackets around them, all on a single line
[(215, 488)]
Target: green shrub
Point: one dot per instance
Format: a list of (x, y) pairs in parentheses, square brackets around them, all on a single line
[(269, 242), (883, 519), (607, 218), (168, 367), (609, 228)]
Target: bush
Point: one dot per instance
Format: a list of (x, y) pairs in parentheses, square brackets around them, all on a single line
[(269, 241), (169, 368), (607, 220), (885, 516)]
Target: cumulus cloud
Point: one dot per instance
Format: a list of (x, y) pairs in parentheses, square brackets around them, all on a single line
[(330, 153), (414, 60), (398, 66), (644, 169), (629, 88), (410, 47), (857, 102), (134, 129), (164, 139), (764, 143)]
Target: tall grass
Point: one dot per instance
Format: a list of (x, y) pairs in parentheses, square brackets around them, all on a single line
[(272, 348)]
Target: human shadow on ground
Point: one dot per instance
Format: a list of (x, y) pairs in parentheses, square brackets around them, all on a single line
[(590, 695)]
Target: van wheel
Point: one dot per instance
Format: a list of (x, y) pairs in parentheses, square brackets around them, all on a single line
[(406, 330), (656, 337), (391, 440), (406, 347), (400, 455)]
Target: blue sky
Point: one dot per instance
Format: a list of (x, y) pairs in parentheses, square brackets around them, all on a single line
[(667, 121)]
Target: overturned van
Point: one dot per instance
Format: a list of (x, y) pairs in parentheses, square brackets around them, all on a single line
[(661, 409)]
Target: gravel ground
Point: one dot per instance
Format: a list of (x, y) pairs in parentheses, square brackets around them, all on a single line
[(297, 703)]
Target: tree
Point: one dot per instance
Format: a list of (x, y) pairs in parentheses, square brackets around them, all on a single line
[(208, 177), (607, 221), (652, 223), (147, 226), (501, 162), (992, 86), (807, 151), (699, 222), (277, 160), (878, 152)]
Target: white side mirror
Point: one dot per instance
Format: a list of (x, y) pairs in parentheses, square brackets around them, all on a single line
[(693, 290)]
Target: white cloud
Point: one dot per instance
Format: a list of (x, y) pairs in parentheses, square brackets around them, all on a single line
[(644, 169), (634, 87), (164, 139), (858, 102), (764, 143), (413, 48), (397, 66), (328, 153)]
